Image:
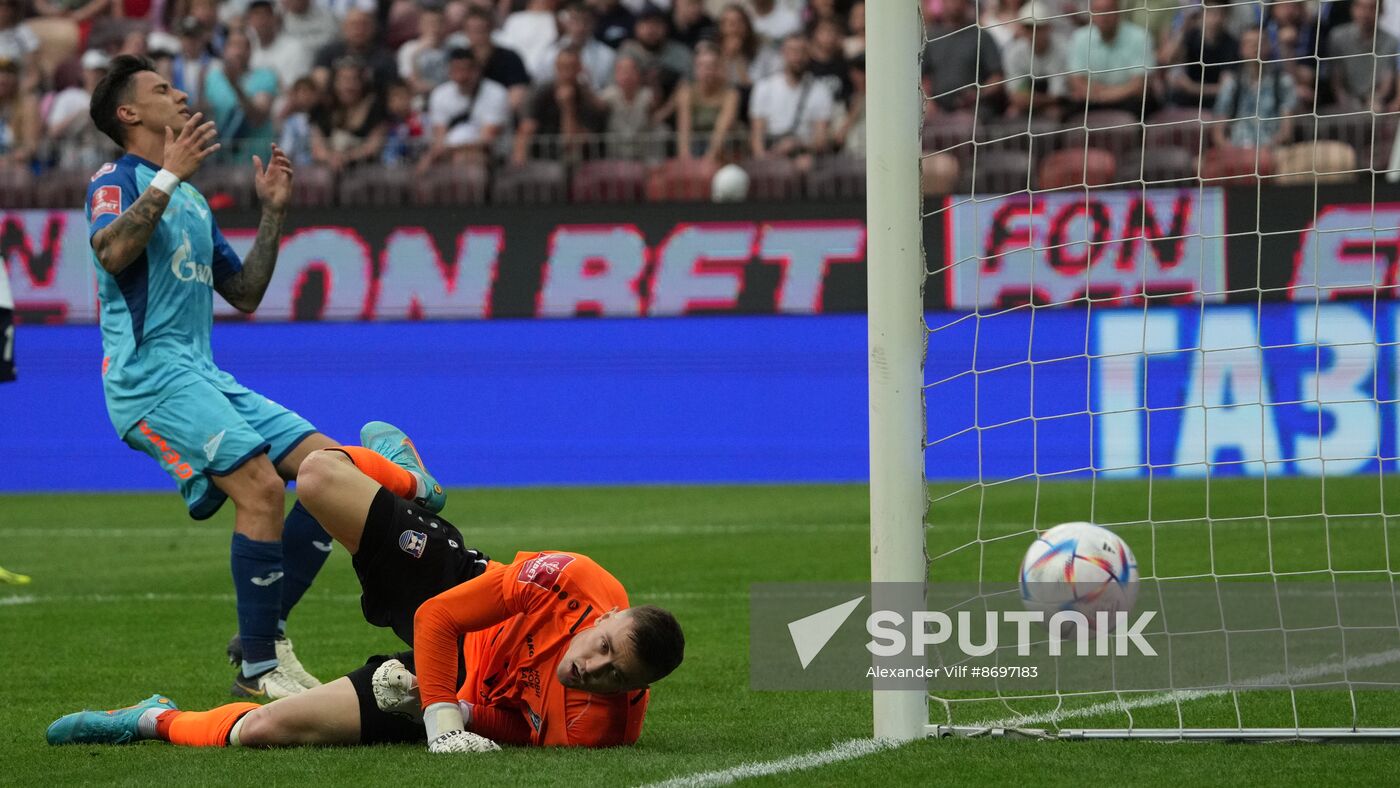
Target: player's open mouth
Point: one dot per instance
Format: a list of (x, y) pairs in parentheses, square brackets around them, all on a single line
[(573, 671)]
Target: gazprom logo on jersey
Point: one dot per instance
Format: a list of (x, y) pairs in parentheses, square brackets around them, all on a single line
[(186, 268), (1278, 389)]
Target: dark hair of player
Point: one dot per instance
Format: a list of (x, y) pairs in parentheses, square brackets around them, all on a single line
[(658, 640), (113, 91)]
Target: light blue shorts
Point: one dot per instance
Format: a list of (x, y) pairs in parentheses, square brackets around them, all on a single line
[(203, 431)]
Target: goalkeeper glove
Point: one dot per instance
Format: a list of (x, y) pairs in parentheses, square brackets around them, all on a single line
[(396, 690), (461, 741), (446, 731)]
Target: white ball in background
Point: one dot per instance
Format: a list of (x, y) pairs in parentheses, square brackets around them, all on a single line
[(730, 184)]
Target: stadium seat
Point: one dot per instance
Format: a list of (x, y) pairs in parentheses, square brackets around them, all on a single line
[(1324, 161), (62, 189), (531, 183), (1111, 130), (1353, 128), (680, 179), (1176, 127), (951, 133), (227, 185), (17, 188), (836, 178), (374, 185), (1235, 166), (608, 180), (458, 184), (313, 186), (1074, 167), (1165, 165), (773, 178), (1000, 172)]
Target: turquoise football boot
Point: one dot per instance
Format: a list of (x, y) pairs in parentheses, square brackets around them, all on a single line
[(391, 443), (117, 726)]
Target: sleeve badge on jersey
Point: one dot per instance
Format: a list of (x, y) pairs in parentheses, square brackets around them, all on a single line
[(107, 200), (105, 169), (544, 570)]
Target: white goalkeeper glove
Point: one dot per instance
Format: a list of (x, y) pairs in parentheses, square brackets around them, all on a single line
[(396, 690), (446, 731), (462, 741)]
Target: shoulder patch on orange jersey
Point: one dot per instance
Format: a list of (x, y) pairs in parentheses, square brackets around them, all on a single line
[(543, 570)]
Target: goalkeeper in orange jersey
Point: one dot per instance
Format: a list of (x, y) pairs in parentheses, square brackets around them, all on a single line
[(545, 650)]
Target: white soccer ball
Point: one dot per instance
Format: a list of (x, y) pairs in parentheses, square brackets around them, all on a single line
[(730, 184), (1080, 567)]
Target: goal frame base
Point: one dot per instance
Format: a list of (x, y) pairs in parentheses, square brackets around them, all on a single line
[(1167, 734)]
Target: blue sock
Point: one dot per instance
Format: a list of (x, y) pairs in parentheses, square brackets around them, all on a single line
[(305, 548), (257, 578)]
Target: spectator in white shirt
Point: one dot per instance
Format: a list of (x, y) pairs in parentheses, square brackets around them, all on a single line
[(790, 112), (67, 126), (273, 49), (18, 41), (531, 31), (339, 8), (423, 61), (309, 25), (467, 112), (631, 106), (774, 21), (578, 23)]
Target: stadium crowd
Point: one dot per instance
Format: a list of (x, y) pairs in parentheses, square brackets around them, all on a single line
[(542, 100)]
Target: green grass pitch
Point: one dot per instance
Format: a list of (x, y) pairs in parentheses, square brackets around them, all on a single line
[(130, 597)]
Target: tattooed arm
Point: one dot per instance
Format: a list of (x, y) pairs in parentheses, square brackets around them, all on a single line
[(122, 241), (245, 289)]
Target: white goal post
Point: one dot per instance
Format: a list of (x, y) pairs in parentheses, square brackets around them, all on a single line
[(894, 208), (905, 515)]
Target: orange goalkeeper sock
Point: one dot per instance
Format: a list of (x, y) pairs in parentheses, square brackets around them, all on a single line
[(201, 728), (395, 479)]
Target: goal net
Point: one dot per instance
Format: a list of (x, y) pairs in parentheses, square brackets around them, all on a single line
[(1160, 251)]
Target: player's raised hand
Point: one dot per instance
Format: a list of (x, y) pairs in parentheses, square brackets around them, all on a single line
[(273, 182), (187, 150)]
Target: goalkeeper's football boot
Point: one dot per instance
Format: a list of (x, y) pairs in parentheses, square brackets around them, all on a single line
[(390, 442), (13, 578), (118, 726)]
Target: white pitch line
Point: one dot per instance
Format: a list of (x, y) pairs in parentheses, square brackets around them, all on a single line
[(843, 751), (1272, 680)]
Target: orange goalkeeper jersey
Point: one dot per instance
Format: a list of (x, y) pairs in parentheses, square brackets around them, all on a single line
[(514, 623)]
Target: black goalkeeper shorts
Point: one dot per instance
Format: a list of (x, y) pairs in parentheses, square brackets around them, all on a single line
[(381, 727), (407, 556)]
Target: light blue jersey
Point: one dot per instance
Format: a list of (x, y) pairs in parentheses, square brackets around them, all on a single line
[(164, 394), (157, 313)]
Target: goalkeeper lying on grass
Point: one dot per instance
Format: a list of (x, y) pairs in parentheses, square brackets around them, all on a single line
[(541, 651)]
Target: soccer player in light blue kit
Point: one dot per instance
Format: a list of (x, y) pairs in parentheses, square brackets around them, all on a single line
[(160, 255)]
